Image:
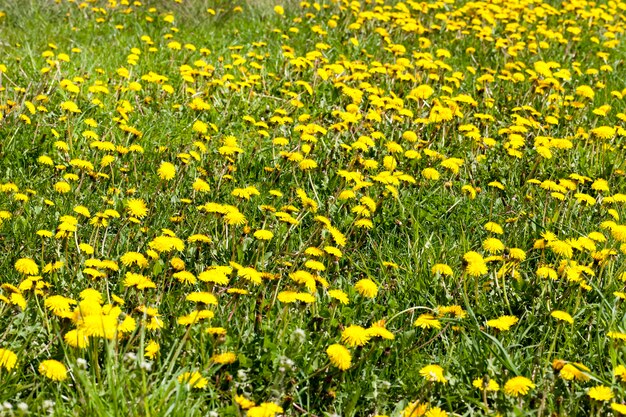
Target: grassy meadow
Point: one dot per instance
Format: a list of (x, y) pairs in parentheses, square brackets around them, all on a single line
[(312, 208)]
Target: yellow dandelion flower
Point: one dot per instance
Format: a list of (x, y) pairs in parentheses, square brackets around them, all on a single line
[(134, 258), (76, 338), (604, 132), (436, 412), (366, 287), (264, 410), (562, 316), (167, 171), (224, 358), (185, 277), (263, 235), (152, 349), (137, 207), (430, 174), (493, 245), (339, 356), (59, 305), (167, 244), (8, 359), (217, 331), (26, 266), (378, 329), (53, 370), (339, 295), (620, 372), (561, 248), (427, 321), (503, 323), (494, 228), (202, 297), (518, 385), (243, 402), (600, 393), (483, 385), (619, 408), (415, 409), (193, 379), (433, 373), (355, 336), (574, 370), (442, 269)]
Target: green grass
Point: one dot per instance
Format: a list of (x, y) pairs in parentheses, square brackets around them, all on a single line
[(259, 65)]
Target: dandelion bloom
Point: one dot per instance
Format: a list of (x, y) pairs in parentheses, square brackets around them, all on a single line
[(619, 372), (264, 410), (235, 218), (139, 281), (430, 174), (224, 358), (436, 412), (475, 264), (26, 266), (62, 187), (152, 349), (167, 171), (604, 132), (263, 235), (518, 385), (378, 329), (619, 233), (503, 323), (194, 379), (195, 316), (415, 409), (620, 408), (8, 359), (355, 336), (483, 385), (421, 92), (517, 254), (562, 316), (561, 248), (216, 331), (366, 287), (185, 277), (202, 297), (585, 91), (53, 370), (600, 393), (339, 356), (455, 310), (199, 238), (59, 305), (442, 269), (339, 295), (130, 258), (166, 244), (574, 370), (218, 275), (494, 228), (200, 127), (493, 245), (433, 373), (76, 338), (427, 321), (137, 207)]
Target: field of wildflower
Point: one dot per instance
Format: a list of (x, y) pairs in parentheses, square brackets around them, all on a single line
[(312, 208)]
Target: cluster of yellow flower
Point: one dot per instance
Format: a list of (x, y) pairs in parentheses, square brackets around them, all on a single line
[(348, 165)]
